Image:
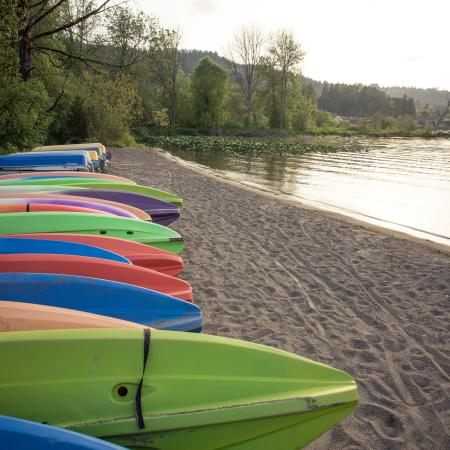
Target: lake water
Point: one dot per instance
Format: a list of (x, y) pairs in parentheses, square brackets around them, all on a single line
[(401, 184)]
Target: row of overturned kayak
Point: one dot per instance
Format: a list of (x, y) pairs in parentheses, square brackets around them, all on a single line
[(101, 344)]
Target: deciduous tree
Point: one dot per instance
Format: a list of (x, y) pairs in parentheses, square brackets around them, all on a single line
[(164, 67), (245, 53), (209, 87), (286, 54), (41, 20)]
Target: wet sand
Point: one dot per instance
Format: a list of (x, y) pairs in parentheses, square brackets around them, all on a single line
[(269, 271)]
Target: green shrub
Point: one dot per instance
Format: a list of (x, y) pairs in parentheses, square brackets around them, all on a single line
[(126, 140), (24, 116), (110, 106)]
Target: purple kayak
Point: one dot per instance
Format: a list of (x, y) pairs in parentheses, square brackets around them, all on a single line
[(161, 212), (69, 202)]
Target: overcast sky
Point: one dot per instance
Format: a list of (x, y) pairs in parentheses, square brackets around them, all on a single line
[(389, 42)]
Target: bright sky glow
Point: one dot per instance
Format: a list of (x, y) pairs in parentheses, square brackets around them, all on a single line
[(388, 42)]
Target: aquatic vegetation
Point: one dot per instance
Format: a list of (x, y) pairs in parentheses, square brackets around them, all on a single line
[(216, 144)]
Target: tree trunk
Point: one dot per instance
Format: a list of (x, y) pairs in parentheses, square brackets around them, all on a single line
[(25, 56), (249, 111), (283, 98), (174, 102), (25, 40), (174, 112)]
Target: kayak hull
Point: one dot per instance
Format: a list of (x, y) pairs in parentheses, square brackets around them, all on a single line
[(16, 316), (78, 160), (139, 254), (17, 434), (18, 245), (65, 204), (98, 183), (25, 206), (198, 392), (103, 297), (96, 268), (64, 174), (161, 212), (120, 208), (94, 224)]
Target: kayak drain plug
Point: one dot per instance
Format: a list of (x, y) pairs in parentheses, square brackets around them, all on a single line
[(122, 391)]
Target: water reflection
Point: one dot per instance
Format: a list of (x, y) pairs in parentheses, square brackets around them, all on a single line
[(400, 183)]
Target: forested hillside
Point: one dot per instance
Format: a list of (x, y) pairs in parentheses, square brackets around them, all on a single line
[(74, 70), (434, 98), (422, 97), (363, 101)]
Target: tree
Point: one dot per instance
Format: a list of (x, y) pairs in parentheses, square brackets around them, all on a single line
[(442, 115), (406, 123), (381, 122), (24, 118), (39, 21), (110, 105), (23, 106), (363, 101), (285, 54), (209, 89), (245, 54), (9, 62), (324, 119), (128, 33), (304, 106), (164, 66), (269, 93), (81, 38)]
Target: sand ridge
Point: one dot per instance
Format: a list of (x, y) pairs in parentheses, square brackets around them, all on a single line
[(278, 274)]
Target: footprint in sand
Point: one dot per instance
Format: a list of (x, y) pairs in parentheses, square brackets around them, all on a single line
[(383, 420)]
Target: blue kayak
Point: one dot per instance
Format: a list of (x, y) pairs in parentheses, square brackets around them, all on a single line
[(104, 297), (13, 245), (19, 434), (45, 161), (94, 164)]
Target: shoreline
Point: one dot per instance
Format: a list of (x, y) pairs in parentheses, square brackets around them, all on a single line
[(302, 204), (274, 273)]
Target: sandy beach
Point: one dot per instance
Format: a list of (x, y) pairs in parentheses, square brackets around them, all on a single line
[(268, 271)]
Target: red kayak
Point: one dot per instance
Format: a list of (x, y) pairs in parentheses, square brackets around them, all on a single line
[(139, 254), (96, 268), (44, 207)]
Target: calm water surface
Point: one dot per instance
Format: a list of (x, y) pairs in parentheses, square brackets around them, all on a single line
[(402, 184)]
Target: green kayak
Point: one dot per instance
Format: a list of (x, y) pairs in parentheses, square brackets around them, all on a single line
[(97, 183), (170, 391), (104, 225)]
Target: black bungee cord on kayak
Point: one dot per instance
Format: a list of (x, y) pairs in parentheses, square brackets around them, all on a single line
[(137, 398)]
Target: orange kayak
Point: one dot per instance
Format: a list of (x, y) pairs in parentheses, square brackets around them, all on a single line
[(139, 254), (136, 212), (44, 207), (18, 316), (96, 268), (53, 174)]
